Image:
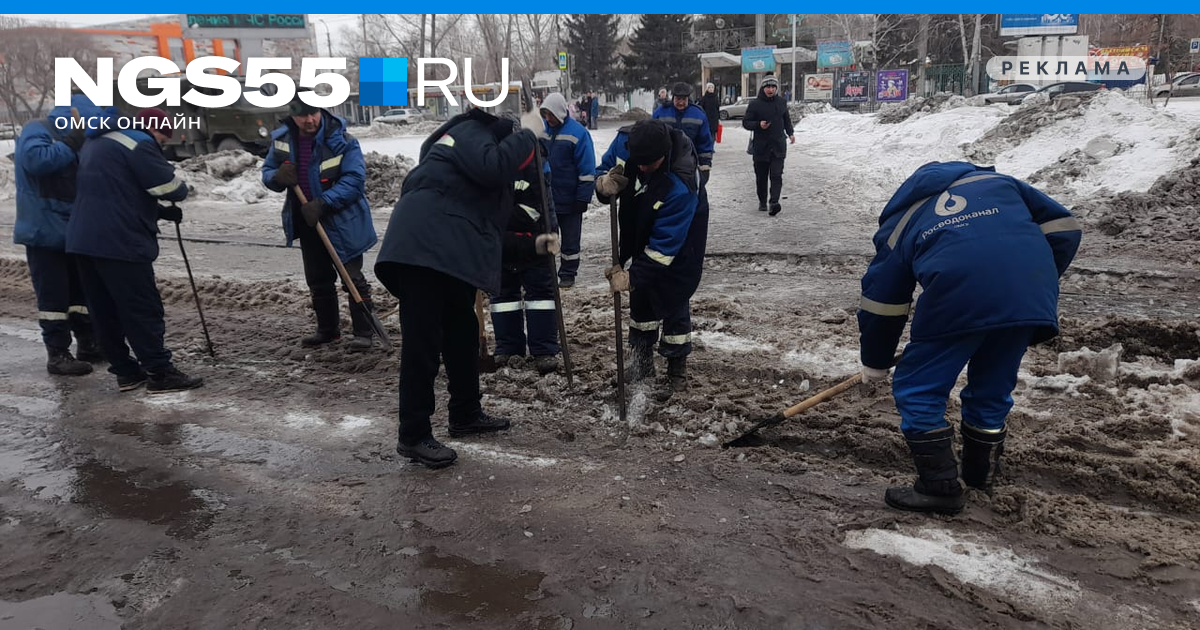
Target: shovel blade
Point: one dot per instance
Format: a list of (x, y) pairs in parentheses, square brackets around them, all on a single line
[(376, 326), (750, 438)]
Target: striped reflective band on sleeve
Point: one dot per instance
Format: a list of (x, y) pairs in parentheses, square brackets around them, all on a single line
[(280, 145), (587, 178), (163, 189), (521, 184), (531, 211), (570, 256), (660, 257), (331, 162), (621, 162), (447, 140), (908, 214), (539, 305), (677, 340), (658, 204), (52, 316), (704, 155), (1065, 224), (79, 310), (644, 326), (505, 307), (886, 310), (692, 121), (121, 138), (567, 137)]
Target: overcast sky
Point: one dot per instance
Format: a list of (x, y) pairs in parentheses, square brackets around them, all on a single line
[(335, 21)]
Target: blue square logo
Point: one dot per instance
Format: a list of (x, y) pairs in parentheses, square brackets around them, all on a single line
[(383, 81)]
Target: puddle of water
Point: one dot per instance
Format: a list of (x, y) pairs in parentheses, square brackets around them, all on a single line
[(148, 431), (116, 493), (458, 587), (61, 611)]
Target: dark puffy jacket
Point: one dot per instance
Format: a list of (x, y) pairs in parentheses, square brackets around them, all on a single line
[(337, 169), (694, 124), (46, 170), (711, 104), (986, 248), (457, 201), (527, 220), (122, 176), (663, 227), (772, 141)]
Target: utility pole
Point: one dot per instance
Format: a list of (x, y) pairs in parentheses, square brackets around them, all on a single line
[(795, 89), (922, 51), (422, 47), (328, 40), (364, 34)]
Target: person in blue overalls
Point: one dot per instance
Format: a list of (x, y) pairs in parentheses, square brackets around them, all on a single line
[(572, 179)]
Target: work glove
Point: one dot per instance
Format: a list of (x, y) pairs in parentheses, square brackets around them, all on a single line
[(285, 175), (704, 173), (547, 244), (871, 375), (618, 279), (313, 211), (170, 213), (532, 120), (74, 140), (612, 182)]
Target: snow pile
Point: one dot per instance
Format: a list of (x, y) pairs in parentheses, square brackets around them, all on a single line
[(384, 130), (1027, 120), (228, 175), (892, 113), (8, 179), (1168, 211), (635, 114), (1076, 164), (1100, 366), (800, 110), (385, 176)]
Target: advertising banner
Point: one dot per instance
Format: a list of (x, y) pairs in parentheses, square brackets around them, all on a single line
[(1039, 24), (818, 87), (853, 86), (834, 54), (760, 59), (891, 86)]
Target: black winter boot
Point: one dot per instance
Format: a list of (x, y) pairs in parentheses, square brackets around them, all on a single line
[(430, 452), (641, 363), (171, 380), (63, 364), (363, 333), (937, 488), (483, 423), (981, 455), (676, 378), (328, 321), (86, 349)]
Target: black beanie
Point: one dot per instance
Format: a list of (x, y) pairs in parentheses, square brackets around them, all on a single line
[(648, 141)]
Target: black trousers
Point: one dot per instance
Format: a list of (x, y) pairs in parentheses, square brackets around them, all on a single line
[(321, 277), (772, 169), (126, 307), (437, 321), (61, 303)]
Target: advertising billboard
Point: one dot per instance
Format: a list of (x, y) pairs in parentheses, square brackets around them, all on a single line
[(891, 86), (818, 87), (1019, 24), (835, 54)]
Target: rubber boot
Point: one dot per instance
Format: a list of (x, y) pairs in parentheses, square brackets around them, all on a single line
[(641, 363), (981, 455), (363, 333), (545, 364), (936, 489), (328, 323), (63, 364), (676, 378)]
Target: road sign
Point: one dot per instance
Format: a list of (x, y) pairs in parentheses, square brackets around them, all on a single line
[(562, 61), (1195, 45)]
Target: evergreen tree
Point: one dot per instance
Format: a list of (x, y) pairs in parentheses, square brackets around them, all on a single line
[(657, 56), (592, 40)]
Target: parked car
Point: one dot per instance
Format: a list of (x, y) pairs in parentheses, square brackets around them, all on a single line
[(1054, 90), (1010, 93), (9, 131), (1187, 84), (736, 110), (400, 116)]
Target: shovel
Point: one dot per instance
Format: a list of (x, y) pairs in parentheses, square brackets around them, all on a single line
[(487, 363), (376, 325), (800, 407), (195, 293)]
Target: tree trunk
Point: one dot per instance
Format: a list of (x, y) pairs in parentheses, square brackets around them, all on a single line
[(976, 52), (922, 51)]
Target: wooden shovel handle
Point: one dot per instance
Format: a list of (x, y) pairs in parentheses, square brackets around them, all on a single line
[(822, 396), (337, 262)]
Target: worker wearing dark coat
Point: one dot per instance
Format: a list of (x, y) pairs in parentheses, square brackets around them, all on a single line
[(46, 164), (767, 116), (987, 250), (114, 231), (313, 150), (443, 242), (663, 229)]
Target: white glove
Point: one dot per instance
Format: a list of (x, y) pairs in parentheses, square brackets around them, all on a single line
[(547, 244), (870, 374), (532, 120), (618, 279), (612, 182)]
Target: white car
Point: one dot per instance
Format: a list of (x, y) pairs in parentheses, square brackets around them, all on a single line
[(1010, 93), (1183, 84), (9, 131), (399, 116)]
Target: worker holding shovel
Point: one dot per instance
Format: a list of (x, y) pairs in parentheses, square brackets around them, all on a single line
[(987, 250)]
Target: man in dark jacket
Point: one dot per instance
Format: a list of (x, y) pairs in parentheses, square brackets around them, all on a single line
[(527, 321), (690, 119), (593, 110), (46, 166), (767, 116), (988, 251), (663, 231), (313, 150), (711, 104), (114, 231), (572, 178), (443, 242)]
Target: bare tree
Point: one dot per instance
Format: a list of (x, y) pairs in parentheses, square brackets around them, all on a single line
[(27, 64)]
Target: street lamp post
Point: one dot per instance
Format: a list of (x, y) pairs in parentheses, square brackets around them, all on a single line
[(328, 39)]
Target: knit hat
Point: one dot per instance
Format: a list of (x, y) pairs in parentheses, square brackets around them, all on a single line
[(709, 87), (770, 82), (156, 119), (649, 140)]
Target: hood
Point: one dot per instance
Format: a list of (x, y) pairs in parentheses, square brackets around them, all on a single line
[(556, 104), (83, 105), (930, 179), (476, 114)]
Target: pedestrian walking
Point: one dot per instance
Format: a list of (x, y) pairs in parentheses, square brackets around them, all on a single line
[(767, 117)]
